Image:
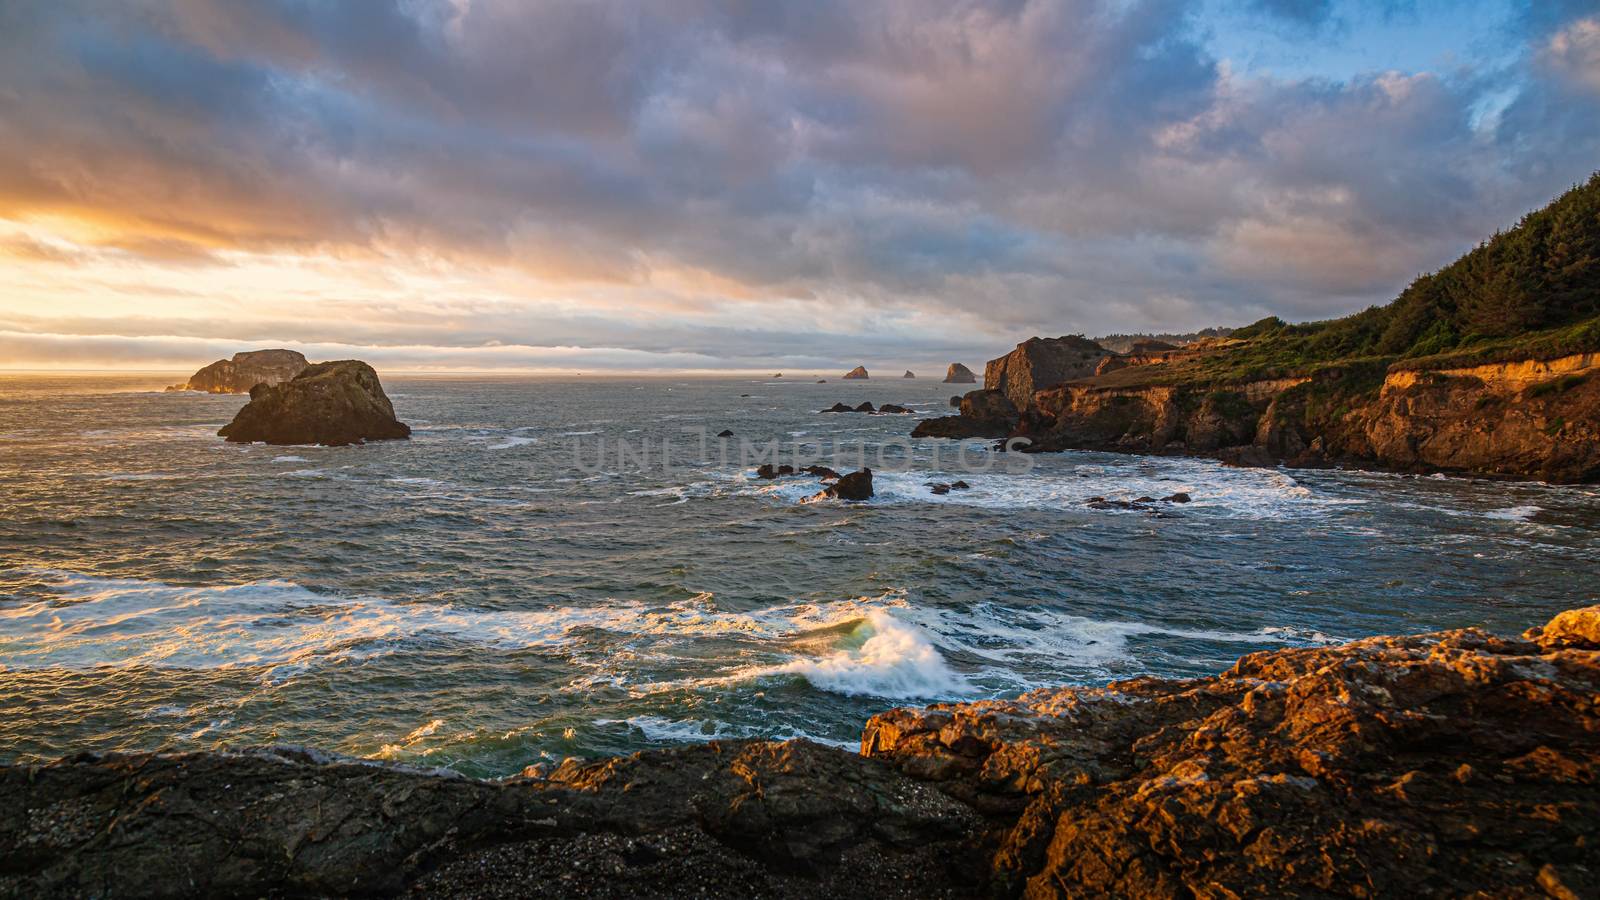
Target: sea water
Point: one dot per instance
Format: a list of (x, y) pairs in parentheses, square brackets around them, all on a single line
[(578, 566)]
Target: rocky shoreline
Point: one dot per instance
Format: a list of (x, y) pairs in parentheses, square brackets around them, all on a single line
[(1449, 764)]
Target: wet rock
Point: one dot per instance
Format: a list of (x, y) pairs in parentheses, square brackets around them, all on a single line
[(959, 374), (332, 403), (940, 488), (959, 486), (855, 486), (244, 371), (955, 402), (984, 414), (1179, 497), (725, 433), (865, 407), (858, 373), (822, 472), (769, 471), (894, 409), (839, 408)]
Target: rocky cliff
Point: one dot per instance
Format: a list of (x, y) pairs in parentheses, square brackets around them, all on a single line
[(332, 403), (244, 371), (1449, 764), (1039, 363)]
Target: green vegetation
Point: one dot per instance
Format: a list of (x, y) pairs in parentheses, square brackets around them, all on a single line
[(1529, 293)]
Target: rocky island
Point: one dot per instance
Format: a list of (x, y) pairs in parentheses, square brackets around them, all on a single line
[(1456, 763), (959, 374), (244, 371), (1485, 367), (331, 403), (859, 372)]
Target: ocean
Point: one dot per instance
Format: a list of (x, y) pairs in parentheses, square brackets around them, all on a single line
[(580, 567)]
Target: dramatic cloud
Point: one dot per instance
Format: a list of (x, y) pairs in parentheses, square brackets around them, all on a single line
[(711, 184)]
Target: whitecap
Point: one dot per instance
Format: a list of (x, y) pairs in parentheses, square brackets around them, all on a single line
[(510, 441), (1514, 513)]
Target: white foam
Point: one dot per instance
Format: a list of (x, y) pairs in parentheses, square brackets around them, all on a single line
[(895, 660), (289, 459), (1515, 513), (510, 441)]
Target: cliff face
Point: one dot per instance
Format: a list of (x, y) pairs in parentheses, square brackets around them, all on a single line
[(1526, 419), (1448, 764), (1039, 363), (244, 371)]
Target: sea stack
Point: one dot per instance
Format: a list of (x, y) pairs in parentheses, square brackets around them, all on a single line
[(858, 373), (959, 374), (909, 374), (244, 371), (331, 403)]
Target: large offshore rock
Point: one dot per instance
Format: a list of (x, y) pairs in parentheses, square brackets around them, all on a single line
[(332, 403), (858, 373), (244, 371), (959, 374)]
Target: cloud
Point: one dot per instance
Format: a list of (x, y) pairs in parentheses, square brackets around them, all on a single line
[(715, 180)]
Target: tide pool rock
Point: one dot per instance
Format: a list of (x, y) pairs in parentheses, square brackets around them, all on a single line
[(331, 403)]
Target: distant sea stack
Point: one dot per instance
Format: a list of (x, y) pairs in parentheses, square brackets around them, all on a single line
[(245, 371), (858, 373), (331, 403), (959, 374), (909, 374)]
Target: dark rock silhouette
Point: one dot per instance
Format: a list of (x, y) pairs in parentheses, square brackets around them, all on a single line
[(725, 433), (244, 371), (855, 486), (908, 374), (894, 409), (332, 403)]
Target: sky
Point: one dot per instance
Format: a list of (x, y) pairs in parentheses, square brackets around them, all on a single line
[(751, 185)]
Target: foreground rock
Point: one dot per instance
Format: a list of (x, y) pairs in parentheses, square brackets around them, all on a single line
[(1451, 764), (856, 486), (332, 403), (244, 371), (959, 374), (983, 414)]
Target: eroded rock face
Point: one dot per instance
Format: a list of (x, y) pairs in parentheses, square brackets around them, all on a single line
[(1039, 363), (984, 414), (244, 371), (332, 403), (1450, 764), (859, 372), (959, 374)]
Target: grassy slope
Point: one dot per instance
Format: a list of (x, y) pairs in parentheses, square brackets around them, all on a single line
[(1529, 293)]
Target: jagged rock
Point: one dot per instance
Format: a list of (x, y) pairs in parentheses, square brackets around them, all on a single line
[(940, 488), (894, 409), (1577, 629), (959, 374), (1179, 497), (984, 413), (855, 486), (332, 403), (908, 374), (769, 471), (1039, 363), (1453, 764), (839, 408), (822, 472), (859, 372), (865, 407), (244, 371)]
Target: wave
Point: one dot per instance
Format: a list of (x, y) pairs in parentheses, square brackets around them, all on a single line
[(1515, 513), (883, 646)]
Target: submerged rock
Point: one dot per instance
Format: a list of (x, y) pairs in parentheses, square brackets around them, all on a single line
[(859, 372), (244, 371), (332, 403), (959, 374)]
